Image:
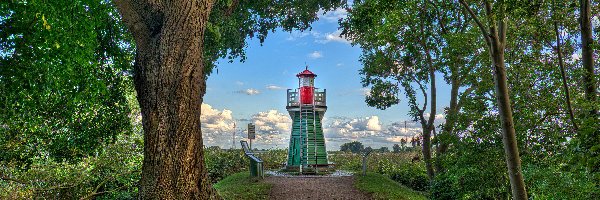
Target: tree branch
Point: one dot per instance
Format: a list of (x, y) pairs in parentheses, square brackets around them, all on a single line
[(131, 13), (6, 178), (476, 19)]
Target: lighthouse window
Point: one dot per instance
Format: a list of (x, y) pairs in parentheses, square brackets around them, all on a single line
[(306, 81)]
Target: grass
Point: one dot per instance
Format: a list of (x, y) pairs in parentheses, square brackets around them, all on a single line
[(382, 187), (242, 186)]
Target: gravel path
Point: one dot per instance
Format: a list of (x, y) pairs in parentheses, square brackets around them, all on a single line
[(314, 188)]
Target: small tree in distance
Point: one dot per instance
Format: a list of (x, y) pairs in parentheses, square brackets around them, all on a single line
[(354, 147)]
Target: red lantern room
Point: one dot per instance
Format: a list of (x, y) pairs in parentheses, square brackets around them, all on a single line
[(307, 86)]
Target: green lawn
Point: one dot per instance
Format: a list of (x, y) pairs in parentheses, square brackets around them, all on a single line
[(242, 186), (382, 187)]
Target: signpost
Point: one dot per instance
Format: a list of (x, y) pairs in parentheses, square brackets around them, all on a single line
[(251, 133)]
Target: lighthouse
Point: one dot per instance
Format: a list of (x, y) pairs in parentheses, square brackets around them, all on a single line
[(306, 106)]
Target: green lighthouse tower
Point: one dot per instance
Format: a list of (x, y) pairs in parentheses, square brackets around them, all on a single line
[(306, 105)]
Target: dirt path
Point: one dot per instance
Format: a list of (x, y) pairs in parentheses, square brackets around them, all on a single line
[(314, 188)]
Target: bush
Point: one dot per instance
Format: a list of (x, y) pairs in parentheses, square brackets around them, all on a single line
[(112, 174), (412, 176), (397, 166), (221, 163)]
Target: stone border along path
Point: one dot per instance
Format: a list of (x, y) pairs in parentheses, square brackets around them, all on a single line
[(288, 186)]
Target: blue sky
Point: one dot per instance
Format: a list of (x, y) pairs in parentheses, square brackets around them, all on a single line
[(255, 91)]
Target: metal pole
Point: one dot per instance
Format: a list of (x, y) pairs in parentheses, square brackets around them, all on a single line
[(364, 164), (301, 140), (314, 129), (233, 138)]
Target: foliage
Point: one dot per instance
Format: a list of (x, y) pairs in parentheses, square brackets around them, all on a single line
[(242, 186), (475, 171), (273, 159), (551, 182), (63, 79), (111, 174), (354, 147), (473, 167), (397, 166), (221, 163), (381, 187)]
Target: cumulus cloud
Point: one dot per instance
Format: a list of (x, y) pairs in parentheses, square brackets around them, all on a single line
[(369, 131), (217, 125), (272, 127), (334, 15), (315, 55), (341, 127), (274, 87), (439, 118), (332, 37), (249, 91)]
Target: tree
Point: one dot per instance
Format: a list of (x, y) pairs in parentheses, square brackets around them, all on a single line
[(403, 142), (354, 147), (367, 150), (396, 148), (587, 51), (383, 150), (399, 50), (63, 79), (170, 71), (496, 40)]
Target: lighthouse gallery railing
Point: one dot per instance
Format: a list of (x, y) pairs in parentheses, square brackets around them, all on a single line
[(293, 99)]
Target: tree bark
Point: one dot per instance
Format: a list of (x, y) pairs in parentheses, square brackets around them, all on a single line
[(450, 119), (170, 84), (496, 41), (509, 139), (561, 64), (587, 54), (428, 126)]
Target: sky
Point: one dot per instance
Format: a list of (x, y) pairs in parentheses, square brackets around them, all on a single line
[(255, 92)]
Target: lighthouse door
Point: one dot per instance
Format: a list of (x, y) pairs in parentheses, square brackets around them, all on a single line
[(296, 152)]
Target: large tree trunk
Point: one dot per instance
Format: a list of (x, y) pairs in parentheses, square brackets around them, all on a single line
[(170, 84), (587, 52)]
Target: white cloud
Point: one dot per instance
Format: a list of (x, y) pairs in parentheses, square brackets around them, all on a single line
[(215, 122), (439, 118), (332, 37), (315, 55), (274, 87), (249, 91), (342, 127), (334, 15), (339, 64), (239, 83), (272, 127)]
